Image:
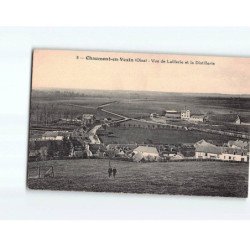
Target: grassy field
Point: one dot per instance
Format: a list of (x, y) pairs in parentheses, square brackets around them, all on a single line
[(185, 178), (159, 136)]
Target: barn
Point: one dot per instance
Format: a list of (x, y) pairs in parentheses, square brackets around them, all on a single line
[(147, 152)]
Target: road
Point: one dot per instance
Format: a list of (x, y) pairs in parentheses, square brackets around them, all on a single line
[(93, 136)]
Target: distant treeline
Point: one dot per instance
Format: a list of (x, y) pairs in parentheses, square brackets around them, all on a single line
[(56, 94)]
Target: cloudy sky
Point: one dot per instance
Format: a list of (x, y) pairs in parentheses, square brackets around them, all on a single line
[(62, 69)]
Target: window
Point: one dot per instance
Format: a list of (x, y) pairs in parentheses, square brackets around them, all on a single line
[(229, 157)]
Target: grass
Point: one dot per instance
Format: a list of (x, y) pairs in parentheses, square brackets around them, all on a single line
[(159, 136), (185, 178)]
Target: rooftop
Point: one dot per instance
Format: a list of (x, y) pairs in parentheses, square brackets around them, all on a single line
[(238, 143), (145, 149), (55, 133)]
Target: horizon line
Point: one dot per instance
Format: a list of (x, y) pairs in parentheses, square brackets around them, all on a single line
[(202, 93)]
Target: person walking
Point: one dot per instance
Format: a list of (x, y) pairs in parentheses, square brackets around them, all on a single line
[(110, 171), (114, 172)]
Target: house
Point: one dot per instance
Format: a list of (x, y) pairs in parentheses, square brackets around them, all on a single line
[(152, 115), (33, 155), (233, 154), (147, 152), (197, 118), (185, 114), (88, 119), (206, 150), (177, 156), (55, 135), (172, 114), (238, 144)]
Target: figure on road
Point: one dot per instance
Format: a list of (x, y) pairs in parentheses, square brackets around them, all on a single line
[(114, 172)]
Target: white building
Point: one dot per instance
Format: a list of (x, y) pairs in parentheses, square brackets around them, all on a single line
[(205, 150), (197, 118), (238, 144), (88, 119), (233, 154), (55, 135), (185, 114), (147, 152)]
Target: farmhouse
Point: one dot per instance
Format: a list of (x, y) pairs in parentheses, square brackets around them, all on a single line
[(186, 115), (197, 118), (147, 152), (238, 144), (234, 154), (206, 150), (172, 114), (88, 119), (55, 135)]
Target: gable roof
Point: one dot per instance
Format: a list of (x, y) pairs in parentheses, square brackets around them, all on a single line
[(206, 147), (145, 149), (55, 133), (238, 143), (234, 151), (197, 116)]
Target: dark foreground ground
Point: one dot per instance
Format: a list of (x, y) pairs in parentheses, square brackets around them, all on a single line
[(185, 178)]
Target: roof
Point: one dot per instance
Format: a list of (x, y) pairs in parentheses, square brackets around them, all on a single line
[(172, 112), (145, 149), (234, 151), (88, 116), (206, 147), (197, 116), (55, 133), (224, 117), (238, 143)]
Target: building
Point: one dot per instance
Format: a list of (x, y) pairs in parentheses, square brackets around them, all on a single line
[(172, 114), (233, 154), (197, 118), (88, 119), (185, 114), (238, 144), (206, 150), (55, 135), (147, 152), (154, 115)]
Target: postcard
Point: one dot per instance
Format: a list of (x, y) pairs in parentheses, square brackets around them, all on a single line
[(139, 123)]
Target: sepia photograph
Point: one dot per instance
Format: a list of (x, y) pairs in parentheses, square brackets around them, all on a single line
[(139, 123)]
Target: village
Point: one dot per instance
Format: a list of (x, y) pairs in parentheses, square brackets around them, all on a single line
[(84, 142)]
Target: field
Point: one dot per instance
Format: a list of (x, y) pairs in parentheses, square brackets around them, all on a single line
[(185, 178), (159, 136)]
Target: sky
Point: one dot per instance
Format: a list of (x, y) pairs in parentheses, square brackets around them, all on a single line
[(71, 69)]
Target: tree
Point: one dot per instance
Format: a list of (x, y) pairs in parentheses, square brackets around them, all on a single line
[(43, 151)]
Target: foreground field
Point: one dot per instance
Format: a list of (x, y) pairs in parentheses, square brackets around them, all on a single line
[(186, 178)]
